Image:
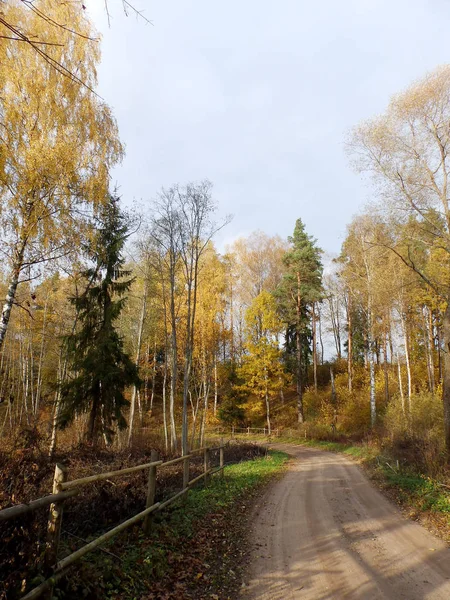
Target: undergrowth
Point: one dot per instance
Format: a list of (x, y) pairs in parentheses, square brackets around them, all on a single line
[(193, 550)]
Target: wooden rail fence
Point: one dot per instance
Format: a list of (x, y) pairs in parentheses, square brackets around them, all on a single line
[(247, 431), (64, 489)]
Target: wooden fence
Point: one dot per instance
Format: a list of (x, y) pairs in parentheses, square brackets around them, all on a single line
[(64, 489), (247, 431)]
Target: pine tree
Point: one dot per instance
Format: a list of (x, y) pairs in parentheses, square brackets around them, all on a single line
[(101, 368), (301, 285)]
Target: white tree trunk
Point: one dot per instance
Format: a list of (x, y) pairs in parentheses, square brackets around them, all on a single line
[(400, 385), (407, 360), (215, 385), (138, 357), (11, 293)]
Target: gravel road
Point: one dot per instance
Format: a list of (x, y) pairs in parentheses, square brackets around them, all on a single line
[(324, 532)]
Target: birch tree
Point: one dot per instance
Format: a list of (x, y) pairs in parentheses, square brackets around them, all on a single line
[(407, 151), (58, 141)]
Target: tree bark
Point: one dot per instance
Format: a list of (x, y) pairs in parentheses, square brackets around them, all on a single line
[(138, 358), (164, 407), (408, 363), (12, 289), (174, 359), (350, 344), (400, 384), (152, 397), (385, 369), (301, 417), (91, 433), (428, 339), (446, 378), (320, 336), (314, 333), (267, 404), (215, 386), (371, 359)]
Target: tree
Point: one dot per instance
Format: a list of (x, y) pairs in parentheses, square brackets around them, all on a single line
[(359, 260), (12, 29), (197, 228), (407, 151), (262, 367), (58, 142), (256, 264), (101, 369), (210, 333), (301, 285)]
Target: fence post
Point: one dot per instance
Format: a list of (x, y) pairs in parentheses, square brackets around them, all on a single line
[(54, 520), (206, 462), (151, 491), (221, 458), (264, 431), (232, 432)]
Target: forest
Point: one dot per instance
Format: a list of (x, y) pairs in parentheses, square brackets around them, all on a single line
[(122, 323), (128, 329)]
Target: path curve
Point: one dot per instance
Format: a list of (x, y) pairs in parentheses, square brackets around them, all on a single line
[(324, 532)]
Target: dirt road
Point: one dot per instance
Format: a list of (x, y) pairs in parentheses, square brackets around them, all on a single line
[(324, 532)]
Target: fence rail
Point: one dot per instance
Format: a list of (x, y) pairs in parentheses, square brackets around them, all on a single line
[(21, 509), (64, 489), (247, 430)]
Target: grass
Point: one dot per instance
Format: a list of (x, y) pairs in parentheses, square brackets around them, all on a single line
[(182, 549)]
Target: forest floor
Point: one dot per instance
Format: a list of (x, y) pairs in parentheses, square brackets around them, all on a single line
[(325, 532), (194, 551), (195, 548)]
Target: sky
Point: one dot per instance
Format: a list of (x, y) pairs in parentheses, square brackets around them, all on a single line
[(258, 97)]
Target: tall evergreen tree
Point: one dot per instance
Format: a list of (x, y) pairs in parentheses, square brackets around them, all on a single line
[(101, 369), (301, 285)]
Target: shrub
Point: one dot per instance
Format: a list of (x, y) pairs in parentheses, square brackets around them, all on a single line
[(417, 435)]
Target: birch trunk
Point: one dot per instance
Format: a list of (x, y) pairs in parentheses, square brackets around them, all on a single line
[(314, 333), (301, 417), (407, 360), (138, 358), (350, 344), (446, 378), (215, 385), (400, 385), (12, 289), (385, 369), (164, 407), (428, 339), (267, 404), (152, 397), (41, 359), (373, 406)]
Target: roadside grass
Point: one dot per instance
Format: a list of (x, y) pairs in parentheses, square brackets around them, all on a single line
[(194, 548)]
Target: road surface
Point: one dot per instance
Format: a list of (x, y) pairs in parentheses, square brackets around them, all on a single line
[(324, 532)]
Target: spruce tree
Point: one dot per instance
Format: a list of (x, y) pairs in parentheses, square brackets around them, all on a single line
[(101, 368), (301, 285)]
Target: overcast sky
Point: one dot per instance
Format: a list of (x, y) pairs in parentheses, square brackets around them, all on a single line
[(258, 96)]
